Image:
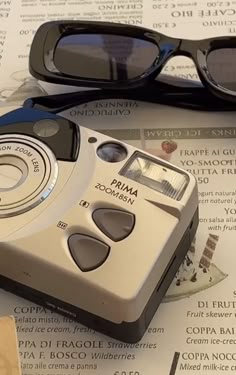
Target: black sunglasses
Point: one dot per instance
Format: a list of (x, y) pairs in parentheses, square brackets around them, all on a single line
[(117, 56)]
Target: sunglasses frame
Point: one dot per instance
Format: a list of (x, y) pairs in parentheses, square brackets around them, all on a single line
[(48, 35)]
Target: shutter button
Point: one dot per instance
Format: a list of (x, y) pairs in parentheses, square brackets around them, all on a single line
[(116, 224)]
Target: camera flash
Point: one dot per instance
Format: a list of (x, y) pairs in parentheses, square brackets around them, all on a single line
[(157, 176)]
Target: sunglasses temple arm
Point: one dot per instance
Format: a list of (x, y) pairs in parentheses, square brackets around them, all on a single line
[(196, 98), (62, 102)]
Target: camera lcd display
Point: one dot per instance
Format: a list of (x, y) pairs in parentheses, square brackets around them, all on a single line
[(156, 176)]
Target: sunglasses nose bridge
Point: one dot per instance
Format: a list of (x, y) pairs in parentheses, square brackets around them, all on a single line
[(187, 49)]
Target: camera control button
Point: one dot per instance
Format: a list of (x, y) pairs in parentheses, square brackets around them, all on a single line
[(88, 253), (114, 223)]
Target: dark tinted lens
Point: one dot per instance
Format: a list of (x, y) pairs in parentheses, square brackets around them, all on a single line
[(105, 57), (221, 64)]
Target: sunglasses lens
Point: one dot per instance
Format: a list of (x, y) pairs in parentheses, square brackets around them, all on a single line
[(104, 57), (221, 64)]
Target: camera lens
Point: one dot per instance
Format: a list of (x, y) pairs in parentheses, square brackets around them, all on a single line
[(10, 176), (112, 152), (13, 172)]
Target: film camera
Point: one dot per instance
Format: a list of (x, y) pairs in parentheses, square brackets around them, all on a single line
[(90, 227)]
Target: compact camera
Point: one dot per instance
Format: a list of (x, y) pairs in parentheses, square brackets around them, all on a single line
[(90, 227)]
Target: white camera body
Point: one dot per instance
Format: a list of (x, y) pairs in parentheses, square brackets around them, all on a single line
[(90, 227)]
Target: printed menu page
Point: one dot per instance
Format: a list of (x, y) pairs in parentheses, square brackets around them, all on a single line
[(193, 331)]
